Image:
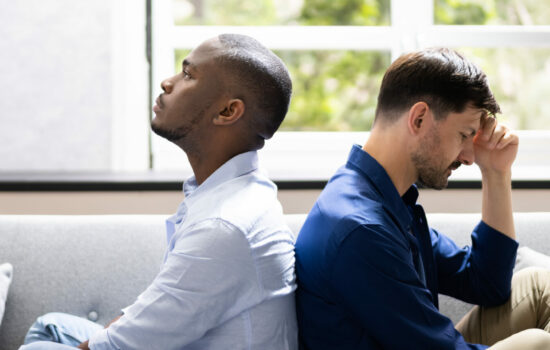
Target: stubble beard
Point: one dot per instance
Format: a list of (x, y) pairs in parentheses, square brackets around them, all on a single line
[(172, 135), (430, 173), (181, 136)]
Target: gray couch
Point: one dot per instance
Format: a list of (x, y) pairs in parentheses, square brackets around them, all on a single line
[(92, 266)]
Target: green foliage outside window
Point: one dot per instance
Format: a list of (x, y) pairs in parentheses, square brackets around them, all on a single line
[(518, 77), (345, 12), (281, 12), (333, 90), (337, 90), (492, 12)]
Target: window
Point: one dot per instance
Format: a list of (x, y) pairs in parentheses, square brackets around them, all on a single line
[(337, 52)]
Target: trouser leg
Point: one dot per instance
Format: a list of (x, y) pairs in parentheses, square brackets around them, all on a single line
[(530, 339), (46, 345), (61, 328), (527, 308)]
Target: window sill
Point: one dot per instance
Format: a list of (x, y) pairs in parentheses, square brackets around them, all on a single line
[(166, 181)]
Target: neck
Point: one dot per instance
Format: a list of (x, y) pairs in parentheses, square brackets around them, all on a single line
[(207, 158), (391, 150), (202, 169)]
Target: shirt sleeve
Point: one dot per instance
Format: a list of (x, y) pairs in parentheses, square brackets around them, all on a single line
[(208, 278), (480, 274), (373, 277)]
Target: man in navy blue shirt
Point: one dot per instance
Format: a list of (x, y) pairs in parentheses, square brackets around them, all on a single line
[(369, 267)]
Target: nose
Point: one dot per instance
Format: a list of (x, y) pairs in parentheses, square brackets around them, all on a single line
[(167, 85), (467, 156)]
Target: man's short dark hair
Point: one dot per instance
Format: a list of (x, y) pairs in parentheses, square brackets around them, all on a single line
[(442, 78), (264, 78)]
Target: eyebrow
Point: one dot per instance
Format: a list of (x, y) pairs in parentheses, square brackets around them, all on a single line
[(186, 63)]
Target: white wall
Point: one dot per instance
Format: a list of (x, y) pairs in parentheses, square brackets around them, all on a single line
[(293, 201), (59, 67)]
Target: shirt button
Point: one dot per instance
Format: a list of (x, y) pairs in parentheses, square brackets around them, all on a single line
[(93, 316)]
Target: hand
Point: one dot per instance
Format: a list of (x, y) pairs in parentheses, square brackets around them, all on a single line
[(113, 321), (495, 147), (84, 346)]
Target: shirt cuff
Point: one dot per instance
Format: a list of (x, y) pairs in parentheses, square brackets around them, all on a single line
[(498, 249), (100, 341)]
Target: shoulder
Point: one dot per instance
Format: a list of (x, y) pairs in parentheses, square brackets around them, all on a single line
[(338, 218), (374, 239), (327, 236), (242, 212), (243, 202), (250, 203), (211, 236)]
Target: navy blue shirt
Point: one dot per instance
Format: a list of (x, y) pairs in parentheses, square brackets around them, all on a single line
[(370, 269)]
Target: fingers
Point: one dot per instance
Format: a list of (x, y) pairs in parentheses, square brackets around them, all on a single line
[(493, 135), (509, 138), (487, 128)]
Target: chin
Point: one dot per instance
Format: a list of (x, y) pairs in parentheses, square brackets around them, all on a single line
[(441, 185), (154, 122), (433, 184)]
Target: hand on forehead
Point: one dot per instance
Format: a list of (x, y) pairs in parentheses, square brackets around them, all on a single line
[(486, 125)]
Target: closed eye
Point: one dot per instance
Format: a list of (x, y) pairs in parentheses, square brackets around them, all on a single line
[(185, 65)]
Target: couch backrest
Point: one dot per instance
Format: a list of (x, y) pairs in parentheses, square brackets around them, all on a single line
[(85, 264)]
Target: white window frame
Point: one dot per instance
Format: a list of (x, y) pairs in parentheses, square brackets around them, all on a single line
[(130, 105), (303, 156)]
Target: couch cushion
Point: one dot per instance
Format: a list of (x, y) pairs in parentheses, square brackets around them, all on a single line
[(528, 257), (295, 222), (76, 264), (6, 273)]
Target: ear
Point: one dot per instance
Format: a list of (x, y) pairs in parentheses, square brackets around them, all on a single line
[(231, 112), (419, 118)]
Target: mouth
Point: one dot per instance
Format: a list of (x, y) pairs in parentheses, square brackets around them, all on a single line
[(158, 105), (453, 167)]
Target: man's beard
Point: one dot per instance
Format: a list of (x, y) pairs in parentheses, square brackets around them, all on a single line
[(425, 159), (177, 135), (172, 135)]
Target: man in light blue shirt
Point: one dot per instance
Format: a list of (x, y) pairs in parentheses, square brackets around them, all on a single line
[(227, 281)]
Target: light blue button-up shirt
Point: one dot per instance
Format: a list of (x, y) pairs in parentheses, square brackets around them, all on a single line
[(227, 281)]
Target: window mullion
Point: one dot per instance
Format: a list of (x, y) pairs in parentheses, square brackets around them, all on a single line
[(487, 36), (410, 19)]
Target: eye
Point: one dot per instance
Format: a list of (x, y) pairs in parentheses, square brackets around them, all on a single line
[(185, 74), (463, 136)]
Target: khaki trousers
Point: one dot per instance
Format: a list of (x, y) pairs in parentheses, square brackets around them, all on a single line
[(521, 323)]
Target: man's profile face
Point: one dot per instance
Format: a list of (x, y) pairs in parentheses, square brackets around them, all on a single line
[(448, 144), (191, 98)]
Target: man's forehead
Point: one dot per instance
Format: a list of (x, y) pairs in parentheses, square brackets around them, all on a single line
[(205, 52), (470, 118), (475, 119)]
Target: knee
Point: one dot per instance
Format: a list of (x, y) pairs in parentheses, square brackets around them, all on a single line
[(533, 270), (31, 346), (51, 318), (536, 339), (43, 329), (40, 345), (536, 276)]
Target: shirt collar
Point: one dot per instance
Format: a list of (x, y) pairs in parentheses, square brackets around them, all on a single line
[(411, 196), (238, 165), (373, 171)]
